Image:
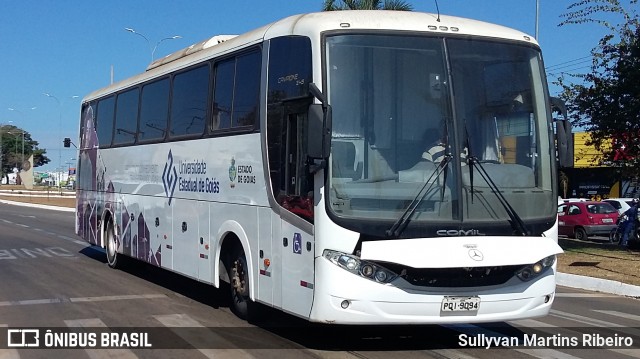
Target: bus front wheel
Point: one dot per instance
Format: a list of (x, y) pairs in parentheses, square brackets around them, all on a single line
[(239, 283)]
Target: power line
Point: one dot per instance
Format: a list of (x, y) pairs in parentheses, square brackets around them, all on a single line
[(568, 62), (567, 71), (569, 65)]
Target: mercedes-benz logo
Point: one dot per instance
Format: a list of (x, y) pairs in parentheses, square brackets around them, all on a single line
[(476, 255), (26, 165)]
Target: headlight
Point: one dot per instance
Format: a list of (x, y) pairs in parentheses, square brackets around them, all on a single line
[(359, 267), (532, 271)]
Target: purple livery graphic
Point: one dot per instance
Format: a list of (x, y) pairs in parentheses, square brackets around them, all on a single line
[(133, 239)]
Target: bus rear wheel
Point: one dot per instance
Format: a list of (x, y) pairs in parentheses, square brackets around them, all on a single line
[(111, 245), (239, 283)]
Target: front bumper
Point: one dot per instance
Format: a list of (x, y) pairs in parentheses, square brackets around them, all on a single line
[(401, 303)]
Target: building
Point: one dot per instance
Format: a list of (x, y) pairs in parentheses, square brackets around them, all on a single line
[(589, 179)]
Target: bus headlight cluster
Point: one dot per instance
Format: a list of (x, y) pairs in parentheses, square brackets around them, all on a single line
[(532, 271), (359, 267)]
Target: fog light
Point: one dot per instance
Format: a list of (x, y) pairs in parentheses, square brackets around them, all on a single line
[(345, 304), (547, 298)]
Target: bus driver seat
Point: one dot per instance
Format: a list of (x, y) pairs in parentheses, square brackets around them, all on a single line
[(343, 158)]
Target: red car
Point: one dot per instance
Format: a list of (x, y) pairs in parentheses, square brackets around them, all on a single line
[(583, 219)]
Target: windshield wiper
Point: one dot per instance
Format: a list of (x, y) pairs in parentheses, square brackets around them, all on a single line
[(401, 223), (516, 221)]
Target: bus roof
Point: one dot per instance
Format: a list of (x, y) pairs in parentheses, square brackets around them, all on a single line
[(314, 23)]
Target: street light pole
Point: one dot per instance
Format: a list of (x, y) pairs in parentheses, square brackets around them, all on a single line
[(59, 128), (152, 49), (537, 18)]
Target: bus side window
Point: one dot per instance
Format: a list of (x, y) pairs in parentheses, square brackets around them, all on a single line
[(104, 121)]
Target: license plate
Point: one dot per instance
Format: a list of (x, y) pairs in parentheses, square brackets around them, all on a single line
[(460, 304), (607, 220)]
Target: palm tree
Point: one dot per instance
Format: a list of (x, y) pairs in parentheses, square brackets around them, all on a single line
[(332, 5)]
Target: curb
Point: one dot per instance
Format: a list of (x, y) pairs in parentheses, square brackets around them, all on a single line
[(562, 279), (43, 206), (598, 285)]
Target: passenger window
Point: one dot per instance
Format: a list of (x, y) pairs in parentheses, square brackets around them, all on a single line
[(237, 88), (126, 118), (573, 210), (189, 102), (154, 111), (104, 121), (223, 97), (247, 87)]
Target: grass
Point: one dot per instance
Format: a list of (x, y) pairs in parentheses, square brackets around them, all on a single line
[(599, 259), (593, 258)]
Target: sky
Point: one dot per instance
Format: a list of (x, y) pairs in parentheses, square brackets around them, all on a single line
[(68, 48)]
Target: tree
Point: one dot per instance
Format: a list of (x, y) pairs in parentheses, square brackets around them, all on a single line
[(333, 5), (606, 101), (12, 149)]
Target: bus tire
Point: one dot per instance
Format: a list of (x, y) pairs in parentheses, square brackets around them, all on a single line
[(111, 245), (239, 283)]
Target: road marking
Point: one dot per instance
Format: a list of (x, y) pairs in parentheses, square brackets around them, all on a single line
[(99, 353), (31, 253), (184, 321), (81, 299), (619, 314), (585, 295), (531, 323), (74, 240), (452, 354), (635, 353), (582, 319), (117, 297)]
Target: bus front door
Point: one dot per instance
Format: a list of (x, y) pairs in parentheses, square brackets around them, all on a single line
[(297, 217)]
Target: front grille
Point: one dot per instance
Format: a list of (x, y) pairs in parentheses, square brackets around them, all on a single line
[(454, 277)]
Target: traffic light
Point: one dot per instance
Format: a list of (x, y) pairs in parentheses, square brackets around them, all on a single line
[(67, 142)]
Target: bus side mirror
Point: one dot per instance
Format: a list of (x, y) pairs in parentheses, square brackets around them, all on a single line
[(319, 134), (564, 137)]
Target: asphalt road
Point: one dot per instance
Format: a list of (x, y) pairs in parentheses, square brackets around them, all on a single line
[(52, 280)]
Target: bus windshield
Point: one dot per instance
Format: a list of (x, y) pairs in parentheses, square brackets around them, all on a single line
[(404, 104)]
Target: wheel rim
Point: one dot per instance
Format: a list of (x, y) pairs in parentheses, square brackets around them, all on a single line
[(111, 245), (239, 280)]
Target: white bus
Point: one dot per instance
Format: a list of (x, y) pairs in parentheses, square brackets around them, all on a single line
[(354, 167)]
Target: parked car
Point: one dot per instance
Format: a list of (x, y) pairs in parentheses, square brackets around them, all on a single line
[(620, 204), (583, 219)]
